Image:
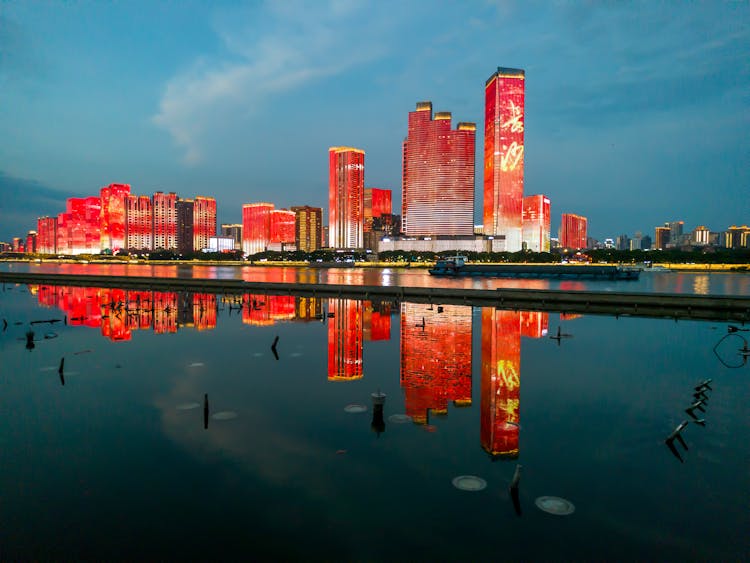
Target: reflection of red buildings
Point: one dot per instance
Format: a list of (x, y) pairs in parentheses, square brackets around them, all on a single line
[(504, 155), (438, 175), (377, 321), (534, 324), (573, 231), (435, 358), (345, 339), (112, 218), (266, 310), (346, 184), (536, 223), (501, 381)]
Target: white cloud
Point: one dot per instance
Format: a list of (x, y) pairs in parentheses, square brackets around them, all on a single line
[(271, 50)]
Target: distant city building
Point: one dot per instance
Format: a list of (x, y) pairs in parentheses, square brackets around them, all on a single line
[(256, 227), (622, 242), (112, 219), (220, 244), (646, 243), (78, 227), (164, 214), (139, 223), (701, 236), (233, 230), (204, 222), (504, 94), (185, 226), (661, 237), (46, 228), (308, 228), (573, 231), (346, 184), (282, 233), (31, 242), (737, 237), (536, 221), (438, 175)]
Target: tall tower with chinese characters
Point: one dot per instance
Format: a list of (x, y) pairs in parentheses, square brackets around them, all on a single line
[(504, 94)]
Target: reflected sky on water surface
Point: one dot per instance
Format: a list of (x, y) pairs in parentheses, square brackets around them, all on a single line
[(117, 464)]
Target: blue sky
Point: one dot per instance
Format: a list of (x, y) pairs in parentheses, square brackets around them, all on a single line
[(636, 114)]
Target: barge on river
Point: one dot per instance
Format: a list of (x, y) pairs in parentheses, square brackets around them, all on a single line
[(456, 266)]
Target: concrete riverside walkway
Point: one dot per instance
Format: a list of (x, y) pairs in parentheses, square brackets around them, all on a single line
[(677, 306)]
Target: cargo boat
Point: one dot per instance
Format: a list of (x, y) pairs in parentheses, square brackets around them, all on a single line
[(456, 266)]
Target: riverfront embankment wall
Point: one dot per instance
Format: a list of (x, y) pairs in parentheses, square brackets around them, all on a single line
[(699, 307)]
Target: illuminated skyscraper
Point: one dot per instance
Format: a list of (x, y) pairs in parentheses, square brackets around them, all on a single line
[(164, 213), (346, 184), (536, 220), (308, 227), (112, 219), (438, 175), (501, 382), (46, 228), (139, 222), (378, 209), (204, 221), (661, 237), (430, 380), (504, 94), (345, 339), (282, 233), (185, 226), (256, 227), (233, 231), (31, 242), (78, 228), (573, 231)]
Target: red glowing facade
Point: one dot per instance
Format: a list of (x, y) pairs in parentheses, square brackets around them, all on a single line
[(534, 324), (435, 358), (112, 218), (78, 228), (139, 221), (573, 231), (282, 224), (46, 228), (31, 242), (377, 321), (501, 382), (377, 207), (438, 175), (164, 213), (256, 227), (308, 228), (345, 339), (346, 185), (536, 221), (504, 155), (204, 221)]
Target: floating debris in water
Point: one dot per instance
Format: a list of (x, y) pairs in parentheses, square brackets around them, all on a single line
[(469, 483), (224, 415), (355, 408), (196, 365), (555, 505), (400, 418), (188, 406), (50, 335), (81, 352)]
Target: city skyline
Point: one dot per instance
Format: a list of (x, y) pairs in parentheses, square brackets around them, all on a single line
[(604, 137)]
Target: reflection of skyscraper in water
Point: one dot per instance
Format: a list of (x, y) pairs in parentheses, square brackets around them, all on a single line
[(435, 358), (377, 321), (345, 338), (165, 311), (266, 310), (501, 376), (308, 308)]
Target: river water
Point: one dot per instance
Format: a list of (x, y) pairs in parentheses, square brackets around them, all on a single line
[(116, 457)]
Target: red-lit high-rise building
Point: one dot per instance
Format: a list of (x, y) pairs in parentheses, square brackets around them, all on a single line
[(504, 155), (573, 231), (308, 227), (256, 227), (536, 221), (31, 242), (46, 228), (438, 175), (378, 209), (139, 222), (78, 227), (345, 339), (346, 186), (112, 217), (164, 214), (282, 235), (204, 221)]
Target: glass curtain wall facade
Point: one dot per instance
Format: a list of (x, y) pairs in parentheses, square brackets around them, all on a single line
[(536, 220), (504, 156), (438, 175), (573, 231)]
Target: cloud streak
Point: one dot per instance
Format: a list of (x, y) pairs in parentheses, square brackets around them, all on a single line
[(272, 50)]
